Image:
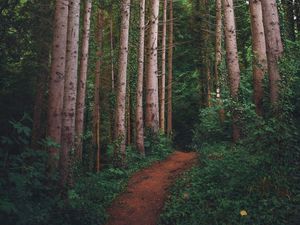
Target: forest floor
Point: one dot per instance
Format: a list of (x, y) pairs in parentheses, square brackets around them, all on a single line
[(147, 191)]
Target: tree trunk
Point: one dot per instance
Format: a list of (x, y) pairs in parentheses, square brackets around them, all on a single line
[(152, 107), (70, 94), (120, 131), (259, 53), (218, 57), (80, 107), (96, 109), (112, 54), (232, 60), (139, 92), (56, 84), (273, 45), (170, 70), (163, 71)]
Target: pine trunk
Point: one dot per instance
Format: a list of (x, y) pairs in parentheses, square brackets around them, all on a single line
[(96, 109), (163, 71), (259, 53), (273, 45), (139, 92), (152, 107), (170, 70), (56, 84), (70, 94), (232, 61), (80, 107), (120, 130), (218, 57)]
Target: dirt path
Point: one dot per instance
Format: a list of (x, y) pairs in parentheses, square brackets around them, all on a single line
[(147, 190)]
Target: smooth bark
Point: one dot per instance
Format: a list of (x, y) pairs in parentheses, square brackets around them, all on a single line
[(56, 83), (70, 94), (162, 96), (152, 105), (139, 92), (120, 130), (80, 106), (170, 70), (96, 108)]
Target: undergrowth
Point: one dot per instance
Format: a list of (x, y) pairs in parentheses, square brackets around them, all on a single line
[(234, 186), (29, 197)]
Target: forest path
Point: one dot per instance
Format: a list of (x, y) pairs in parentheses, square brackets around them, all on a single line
[(146, 193)]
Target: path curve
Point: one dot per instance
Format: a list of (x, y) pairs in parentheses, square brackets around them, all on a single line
[(147, 190)]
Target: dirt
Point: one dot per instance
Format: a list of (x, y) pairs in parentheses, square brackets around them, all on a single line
[(147, 191)]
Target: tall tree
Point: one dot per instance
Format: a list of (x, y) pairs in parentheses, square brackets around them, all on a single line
[(120, 130), (96, 108), (139, 92), (218, 56), (152, 107), (163, 70), (80, 107), (70, 93), (232, 60), (170, 70), (259, 53), (273, 45), (56, 84)]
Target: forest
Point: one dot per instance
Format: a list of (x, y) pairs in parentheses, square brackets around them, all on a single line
[(160, 112)]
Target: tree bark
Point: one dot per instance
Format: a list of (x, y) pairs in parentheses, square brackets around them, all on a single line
[(70, 94), (56, 84), (232, 61), (170, 70), (259, 53), (163, 71), (218, 57), (152, 107), (273, 45), (139, 92), (80, 107), (96, 109), (120, 130)]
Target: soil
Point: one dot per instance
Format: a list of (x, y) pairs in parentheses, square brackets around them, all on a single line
[(147, 191)]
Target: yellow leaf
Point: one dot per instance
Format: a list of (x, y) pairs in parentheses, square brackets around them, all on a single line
[(243, 213)]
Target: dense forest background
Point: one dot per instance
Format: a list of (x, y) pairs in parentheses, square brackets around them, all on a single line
[(256, 172)]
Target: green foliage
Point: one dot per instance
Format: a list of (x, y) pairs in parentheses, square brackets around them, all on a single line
[(230, 180)]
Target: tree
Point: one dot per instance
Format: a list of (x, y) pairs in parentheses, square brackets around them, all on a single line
[(273, 45), (70, 94), (96, 108), (57, 76), (259, 53), (218, 56), (80, 106), (152, 107), (170, 69), (139, 92), (232, 60), (163, 71), (120, 131)]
